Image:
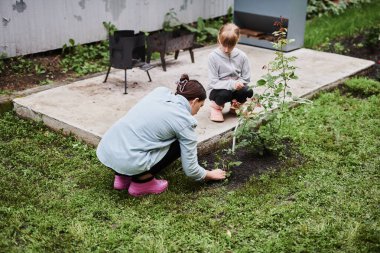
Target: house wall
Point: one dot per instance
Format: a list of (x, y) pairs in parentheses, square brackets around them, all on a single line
[(31, 26)]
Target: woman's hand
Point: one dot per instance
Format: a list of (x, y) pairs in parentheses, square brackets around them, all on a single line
[(217, 174)]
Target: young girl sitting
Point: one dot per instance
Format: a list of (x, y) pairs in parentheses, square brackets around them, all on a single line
[(229, 73)]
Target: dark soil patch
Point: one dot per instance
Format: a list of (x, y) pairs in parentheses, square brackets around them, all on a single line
[(364, 45), (34, 70), (252, 164)]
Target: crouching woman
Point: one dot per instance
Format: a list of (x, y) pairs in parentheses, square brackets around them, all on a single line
[(154, 133)]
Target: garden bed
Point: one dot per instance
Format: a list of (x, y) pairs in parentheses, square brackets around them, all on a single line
[(244, 163), (32, 71)]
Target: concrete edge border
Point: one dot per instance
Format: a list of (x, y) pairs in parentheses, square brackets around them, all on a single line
[(57, 125)]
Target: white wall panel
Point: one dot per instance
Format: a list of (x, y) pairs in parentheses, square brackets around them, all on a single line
[(31, 26)]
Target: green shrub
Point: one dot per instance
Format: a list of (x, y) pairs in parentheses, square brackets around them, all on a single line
[(354, 20), (90, 58), (204, 30), (2, 63), (323, 7), (21, 64), (372, 37), (363, 86), (275, 102), (85, 59)]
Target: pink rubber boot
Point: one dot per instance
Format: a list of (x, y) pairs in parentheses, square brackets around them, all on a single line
[(121, 182), (216, 114), (153, 186)]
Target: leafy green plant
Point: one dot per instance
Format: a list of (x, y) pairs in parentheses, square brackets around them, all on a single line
[(205, 30), (85, 59), (334, 47), (372, 37), (353, 20), (4, 92), (363, 86), (171, 21), (325, 7), (339, 48), (39, 69), (273, 102), (2, 63), (222, 162), (21, 64), (46, 81), (110, 28), (230, 15), (202, 31)]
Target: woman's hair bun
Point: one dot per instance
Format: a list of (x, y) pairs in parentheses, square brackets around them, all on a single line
[(190, 89), (184, 77)]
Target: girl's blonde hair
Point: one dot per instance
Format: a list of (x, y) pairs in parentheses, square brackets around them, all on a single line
[(229, 35)]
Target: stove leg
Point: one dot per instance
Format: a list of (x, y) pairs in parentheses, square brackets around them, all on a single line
[(125, 81), (162, 55), (191, 54), (150, 79), (109, 68), (148, 56)]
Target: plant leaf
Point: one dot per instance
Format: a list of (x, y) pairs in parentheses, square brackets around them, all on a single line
[(261, 82), (214, 32), (72, 42)]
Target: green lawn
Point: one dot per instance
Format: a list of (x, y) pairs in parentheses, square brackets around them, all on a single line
[(352, 21), (56, 197)]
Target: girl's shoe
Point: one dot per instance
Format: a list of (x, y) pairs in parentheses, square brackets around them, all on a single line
[(216, 114), (153, 186), (121, 182)]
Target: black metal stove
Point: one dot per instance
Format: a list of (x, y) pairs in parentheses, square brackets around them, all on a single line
[(165, 42), (127, 51)]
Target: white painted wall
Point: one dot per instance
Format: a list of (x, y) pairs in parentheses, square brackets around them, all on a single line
[(31, 26)]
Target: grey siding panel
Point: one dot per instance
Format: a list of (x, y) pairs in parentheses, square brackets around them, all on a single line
[(31, 26)]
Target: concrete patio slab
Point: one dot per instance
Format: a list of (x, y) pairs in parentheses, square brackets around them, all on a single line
[(87, 108)]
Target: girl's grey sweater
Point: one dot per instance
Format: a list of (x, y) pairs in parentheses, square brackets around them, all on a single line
[(224, 71)]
